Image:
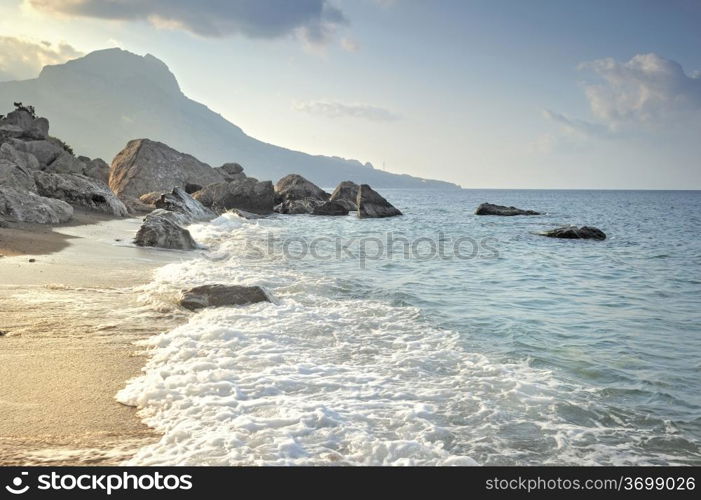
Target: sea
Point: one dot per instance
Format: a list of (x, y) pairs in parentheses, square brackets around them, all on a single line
[(438, 337)]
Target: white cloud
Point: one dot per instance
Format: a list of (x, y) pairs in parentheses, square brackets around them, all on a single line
[(335, 109), (21, 59), (350, 45)]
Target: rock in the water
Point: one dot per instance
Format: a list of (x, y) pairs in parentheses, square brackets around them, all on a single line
[(346, 193), (490, 209), (25, 206), (163, 229), (330, 208), (144, 166), (247, 215), (98, 169), (79, 190), (181, 202), (295, 207), (221, 296), (576, 233), (294, 187), (247, 194), (15, 176), (372, 205)]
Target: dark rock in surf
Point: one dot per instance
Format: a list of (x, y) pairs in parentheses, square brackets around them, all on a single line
[(576, 233), (371, 205), (221, 296), (294, 187), (181, 202), (163, 229), (346, 193), (490, 209)]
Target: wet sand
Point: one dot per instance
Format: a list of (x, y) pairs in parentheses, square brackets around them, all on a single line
[(68, 323)]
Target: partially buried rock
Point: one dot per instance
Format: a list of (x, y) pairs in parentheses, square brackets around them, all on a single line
[(576, 233), (163, 229), (490, 209), (221, 296), (372, 205)]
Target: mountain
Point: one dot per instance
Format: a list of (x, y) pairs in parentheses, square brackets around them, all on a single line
[(99, 102)]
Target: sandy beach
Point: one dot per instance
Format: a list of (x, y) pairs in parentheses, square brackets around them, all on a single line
[(69, 322)]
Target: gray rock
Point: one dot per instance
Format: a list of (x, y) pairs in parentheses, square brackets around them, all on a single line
[(192, 188), (490, 209), (66, 163), (231, 172), (144, 166), (45, 151), (247, 215), (15, 176), (222, 296), (163, 229), (371, 205), (98, 169), (181, 202), (79, 190), (151, 198), (294, 187), (135, 206), (296, 207), (576, 233), (23, 159), (29, 127), (346, 193), (330, 208), (247, 194), (26, 206)]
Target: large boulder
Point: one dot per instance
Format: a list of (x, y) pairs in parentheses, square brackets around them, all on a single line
[(45, 151), (490, 209), (330, 208), (346, 193), (144, 166), (163, 229), (294, 187), (23, 121), (19, 205), (247, 194), (371, 205), (15, 176), (576, 233), (79, 190), (25, 160), (221, 296), (99, 170), (66, 163), (181, 202), (231, 172)]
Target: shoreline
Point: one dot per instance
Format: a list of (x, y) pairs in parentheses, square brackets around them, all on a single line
[(71, 316)]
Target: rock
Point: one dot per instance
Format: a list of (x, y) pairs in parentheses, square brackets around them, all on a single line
[(294, 207), (151, 198), (577, 233), (26, 206), (181, 202), (192, 188), (23, 159), (346, 193), (247, 194), (15, 176), (32, 260), (135, 206), (144, 166), (40, 127), (66, 163), (221, 296), (162, 229), (490, 209), (372, 205), (246, 215), (79, 190), (231, 172), (330, 208), (294, 187), (45, 151), (97, 169), (29, 127)]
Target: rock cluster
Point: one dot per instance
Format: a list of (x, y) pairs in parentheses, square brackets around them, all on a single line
[(490, 209)]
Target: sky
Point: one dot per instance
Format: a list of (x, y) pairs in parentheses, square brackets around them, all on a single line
[(486, 94)]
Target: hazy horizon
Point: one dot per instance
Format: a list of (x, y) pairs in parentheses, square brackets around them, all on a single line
[(489, 95)]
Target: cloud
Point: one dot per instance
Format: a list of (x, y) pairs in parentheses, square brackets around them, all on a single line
[(350, 45), (576, 127), (334, 109), (315, 21), (21, 59), (646, 89)]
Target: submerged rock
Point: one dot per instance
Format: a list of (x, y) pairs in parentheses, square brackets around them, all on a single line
[(181, 202), (221, 296), (490, 209), (144, 166), (346, 193), (247, 194), (576, 233), (372, 205), (81, 191), (163, 229), (294, 187)]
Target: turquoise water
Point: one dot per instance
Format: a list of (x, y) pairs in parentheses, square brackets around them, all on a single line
[(519, 350)]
